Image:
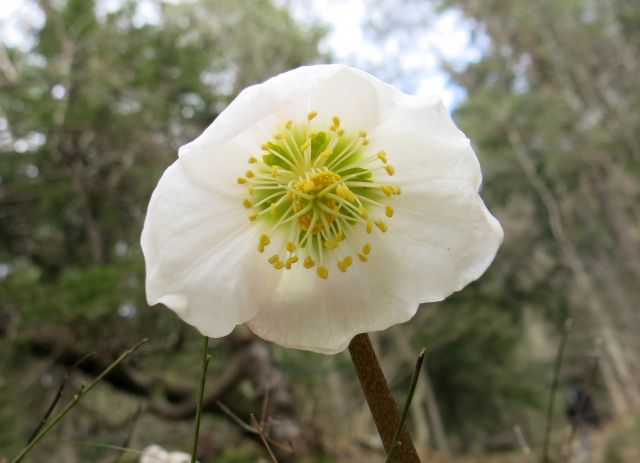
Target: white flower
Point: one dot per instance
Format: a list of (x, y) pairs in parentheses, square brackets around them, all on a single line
[(320, 204), (156, 454)]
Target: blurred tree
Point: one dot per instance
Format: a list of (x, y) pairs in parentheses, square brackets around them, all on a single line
[(93, 106), (553, 96), (550, 106)]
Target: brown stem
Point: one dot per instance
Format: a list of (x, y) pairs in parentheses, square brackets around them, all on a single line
[(383, 407)]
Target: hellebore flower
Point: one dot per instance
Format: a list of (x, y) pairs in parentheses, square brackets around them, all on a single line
[(319, 204), (156, 454)]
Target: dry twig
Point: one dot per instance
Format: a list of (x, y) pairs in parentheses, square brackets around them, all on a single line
[(265, 441)]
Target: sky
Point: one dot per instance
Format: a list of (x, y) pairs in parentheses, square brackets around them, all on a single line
[(410, 61)]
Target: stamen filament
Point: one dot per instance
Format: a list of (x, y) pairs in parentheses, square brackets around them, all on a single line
[(319, 198), (340, 216), (268, 198), (348, 151)]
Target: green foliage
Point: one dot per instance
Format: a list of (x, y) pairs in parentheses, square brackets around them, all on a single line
[(100, 107), (545, 107), (549, 109), (100, 104), (240, 455), (85, 294), (478, 356)]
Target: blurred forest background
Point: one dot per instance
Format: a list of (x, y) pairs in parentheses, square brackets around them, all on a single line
[(93, 107)]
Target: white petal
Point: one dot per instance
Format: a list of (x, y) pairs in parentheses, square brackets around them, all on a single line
[(322, 316), (217, 157), (441, 238), (200, 248), (421, 140), (179, 457), (154, 454), (201, 257), (357, 98)]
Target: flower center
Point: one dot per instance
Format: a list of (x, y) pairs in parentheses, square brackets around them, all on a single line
[(315, 189)]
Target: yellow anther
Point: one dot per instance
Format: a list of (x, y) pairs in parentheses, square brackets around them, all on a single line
[(315, 195), (331, 244), (381, 225), (264, 242), (345, 263), (388, 190), (242, 181), (308, 186), (345, 193), (290, 261)]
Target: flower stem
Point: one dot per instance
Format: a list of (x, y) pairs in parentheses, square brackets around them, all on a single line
[(76, 398), (206, 358), (407, 404), (384, 409), (57, 398)]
